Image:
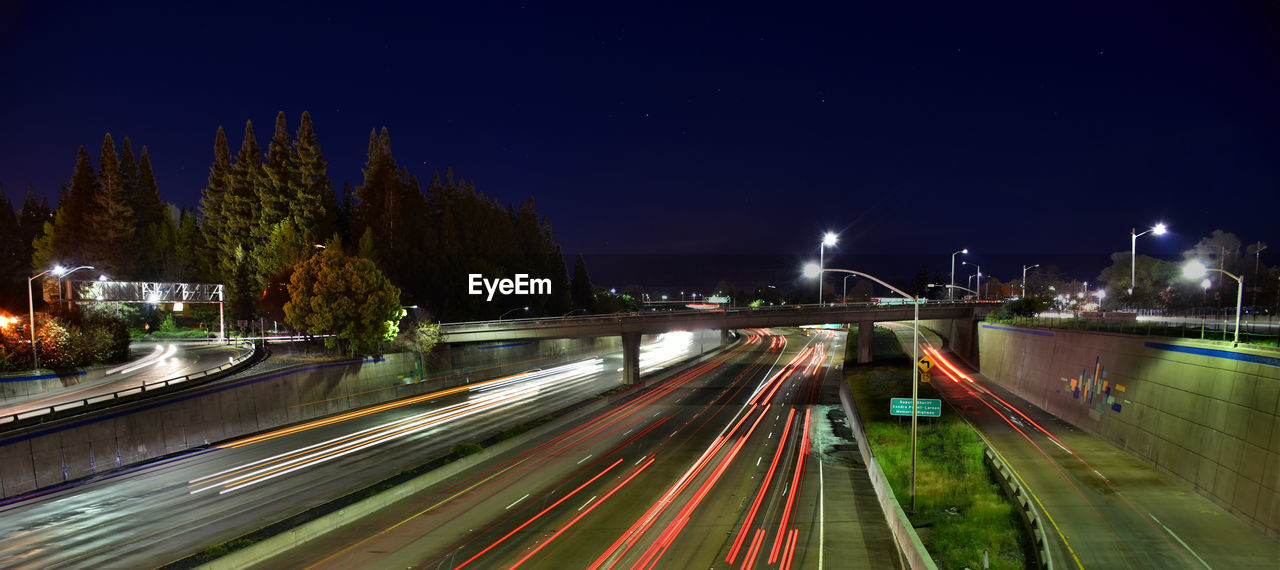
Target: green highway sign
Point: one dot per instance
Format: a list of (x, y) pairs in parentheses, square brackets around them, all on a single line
[(928, 407)]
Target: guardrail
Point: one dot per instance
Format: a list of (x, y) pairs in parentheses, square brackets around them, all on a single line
[(1026, 510), (144, 387)]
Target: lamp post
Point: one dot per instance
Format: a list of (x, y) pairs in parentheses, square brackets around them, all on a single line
[(950, 290), (811, 270), (1257, 256), (845, 297), (1158, 229), (828, 239), (977, 286), (1196, 270), (60, 272), (1024, 277), (512, 311)]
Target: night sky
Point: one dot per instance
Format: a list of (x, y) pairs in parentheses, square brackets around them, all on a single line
[(1022, 131)]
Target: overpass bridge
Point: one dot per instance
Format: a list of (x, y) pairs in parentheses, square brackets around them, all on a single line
[(631, 326)]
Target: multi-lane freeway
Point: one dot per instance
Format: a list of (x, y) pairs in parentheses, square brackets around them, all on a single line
[(161, 511), (719, 466)]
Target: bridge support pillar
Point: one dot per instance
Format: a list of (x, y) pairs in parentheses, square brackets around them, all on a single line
[(725, 337), (630, 358), (866, 330)]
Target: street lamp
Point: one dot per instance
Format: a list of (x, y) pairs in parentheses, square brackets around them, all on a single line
[(1024, 277), (977, 285), (1197, 270), (951, 290), (1158, 229), (811, 270), (60, 272), (845, 298), (828, 239), (512, 311)]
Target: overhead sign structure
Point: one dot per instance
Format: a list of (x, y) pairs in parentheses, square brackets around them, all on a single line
[(925, 364), (927, 407), (716, 299)]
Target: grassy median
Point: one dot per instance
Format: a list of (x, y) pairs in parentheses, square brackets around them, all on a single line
[(960, 509)]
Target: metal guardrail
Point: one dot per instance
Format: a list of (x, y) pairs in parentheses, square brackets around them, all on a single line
[(1026, 510), (144, 387)]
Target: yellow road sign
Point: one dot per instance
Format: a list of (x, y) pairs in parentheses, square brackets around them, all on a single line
[(924, 377), (925, 364)]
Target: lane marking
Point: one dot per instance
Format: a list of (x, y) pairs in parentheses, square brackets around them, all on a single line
[(1179, 539), (526, 496)]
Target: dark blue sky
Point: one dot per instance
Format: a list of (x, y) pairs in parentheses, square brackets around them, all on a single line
[(1019, 130)]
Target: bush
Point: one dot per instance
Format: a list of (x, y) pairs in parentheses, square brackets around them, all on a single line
[(464, 449)]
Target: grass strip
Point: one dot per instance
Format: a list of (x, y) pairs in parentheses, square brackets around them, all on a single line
[(960, 509)]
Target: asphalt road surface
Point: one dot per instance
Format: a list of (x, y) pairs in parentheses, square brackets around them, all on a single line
[(155, 513), (154, 362), (732, 463), (1106, 508)]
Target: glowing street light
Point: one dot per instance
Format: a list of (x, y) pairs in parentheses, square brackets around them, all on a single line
[(1024, 278), (977, 285), (951, 289), (1196, 270), (828, 240), (60, 272), (1158, 229)]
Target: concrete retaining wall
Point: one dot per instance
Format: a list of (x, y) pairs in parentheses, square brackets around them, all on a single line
[(25, 385), (960, 336), (1203, 412), (57, 452)]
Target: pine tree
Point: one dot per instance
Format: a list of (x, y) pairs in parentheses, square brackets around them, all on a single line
[(313, 198), (31, 222), (215, 192), (128, 168), (274, 185), (189, 247), (148, 207), (583, 292), (109, 231), (237, 219), (65, 239)]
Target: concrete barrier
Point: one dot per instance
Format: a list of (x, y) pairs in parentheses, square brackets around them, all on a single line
[(910, 547), (1202, 411)]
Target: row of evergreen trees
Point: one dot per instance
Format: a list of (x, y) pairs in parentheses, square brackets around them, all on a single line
[(264, 211)]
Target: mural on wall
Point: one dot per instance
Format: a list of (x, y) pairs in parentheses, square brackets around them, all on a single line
[(1093, 390)]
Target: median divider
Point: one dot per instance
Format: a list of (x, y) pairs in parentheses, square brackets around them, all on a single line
[(910, 548)]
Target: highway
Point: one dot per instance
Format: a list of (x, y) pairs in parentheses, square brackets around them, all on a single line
[(1106, 508), (155, 513), (719, 466), (156, 362)]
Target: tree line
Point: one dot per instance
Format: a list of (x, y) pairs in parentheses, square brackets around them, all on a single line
[(266, 210)]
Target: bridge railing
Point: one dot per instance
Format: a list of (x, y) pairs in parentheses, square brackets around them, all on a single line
[(144, 387), (675, 315)]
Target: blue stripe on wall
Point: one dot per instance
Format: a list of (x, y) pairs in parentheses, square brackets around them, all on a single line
[(41, 377), (1227, 354), (1023, 331)]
